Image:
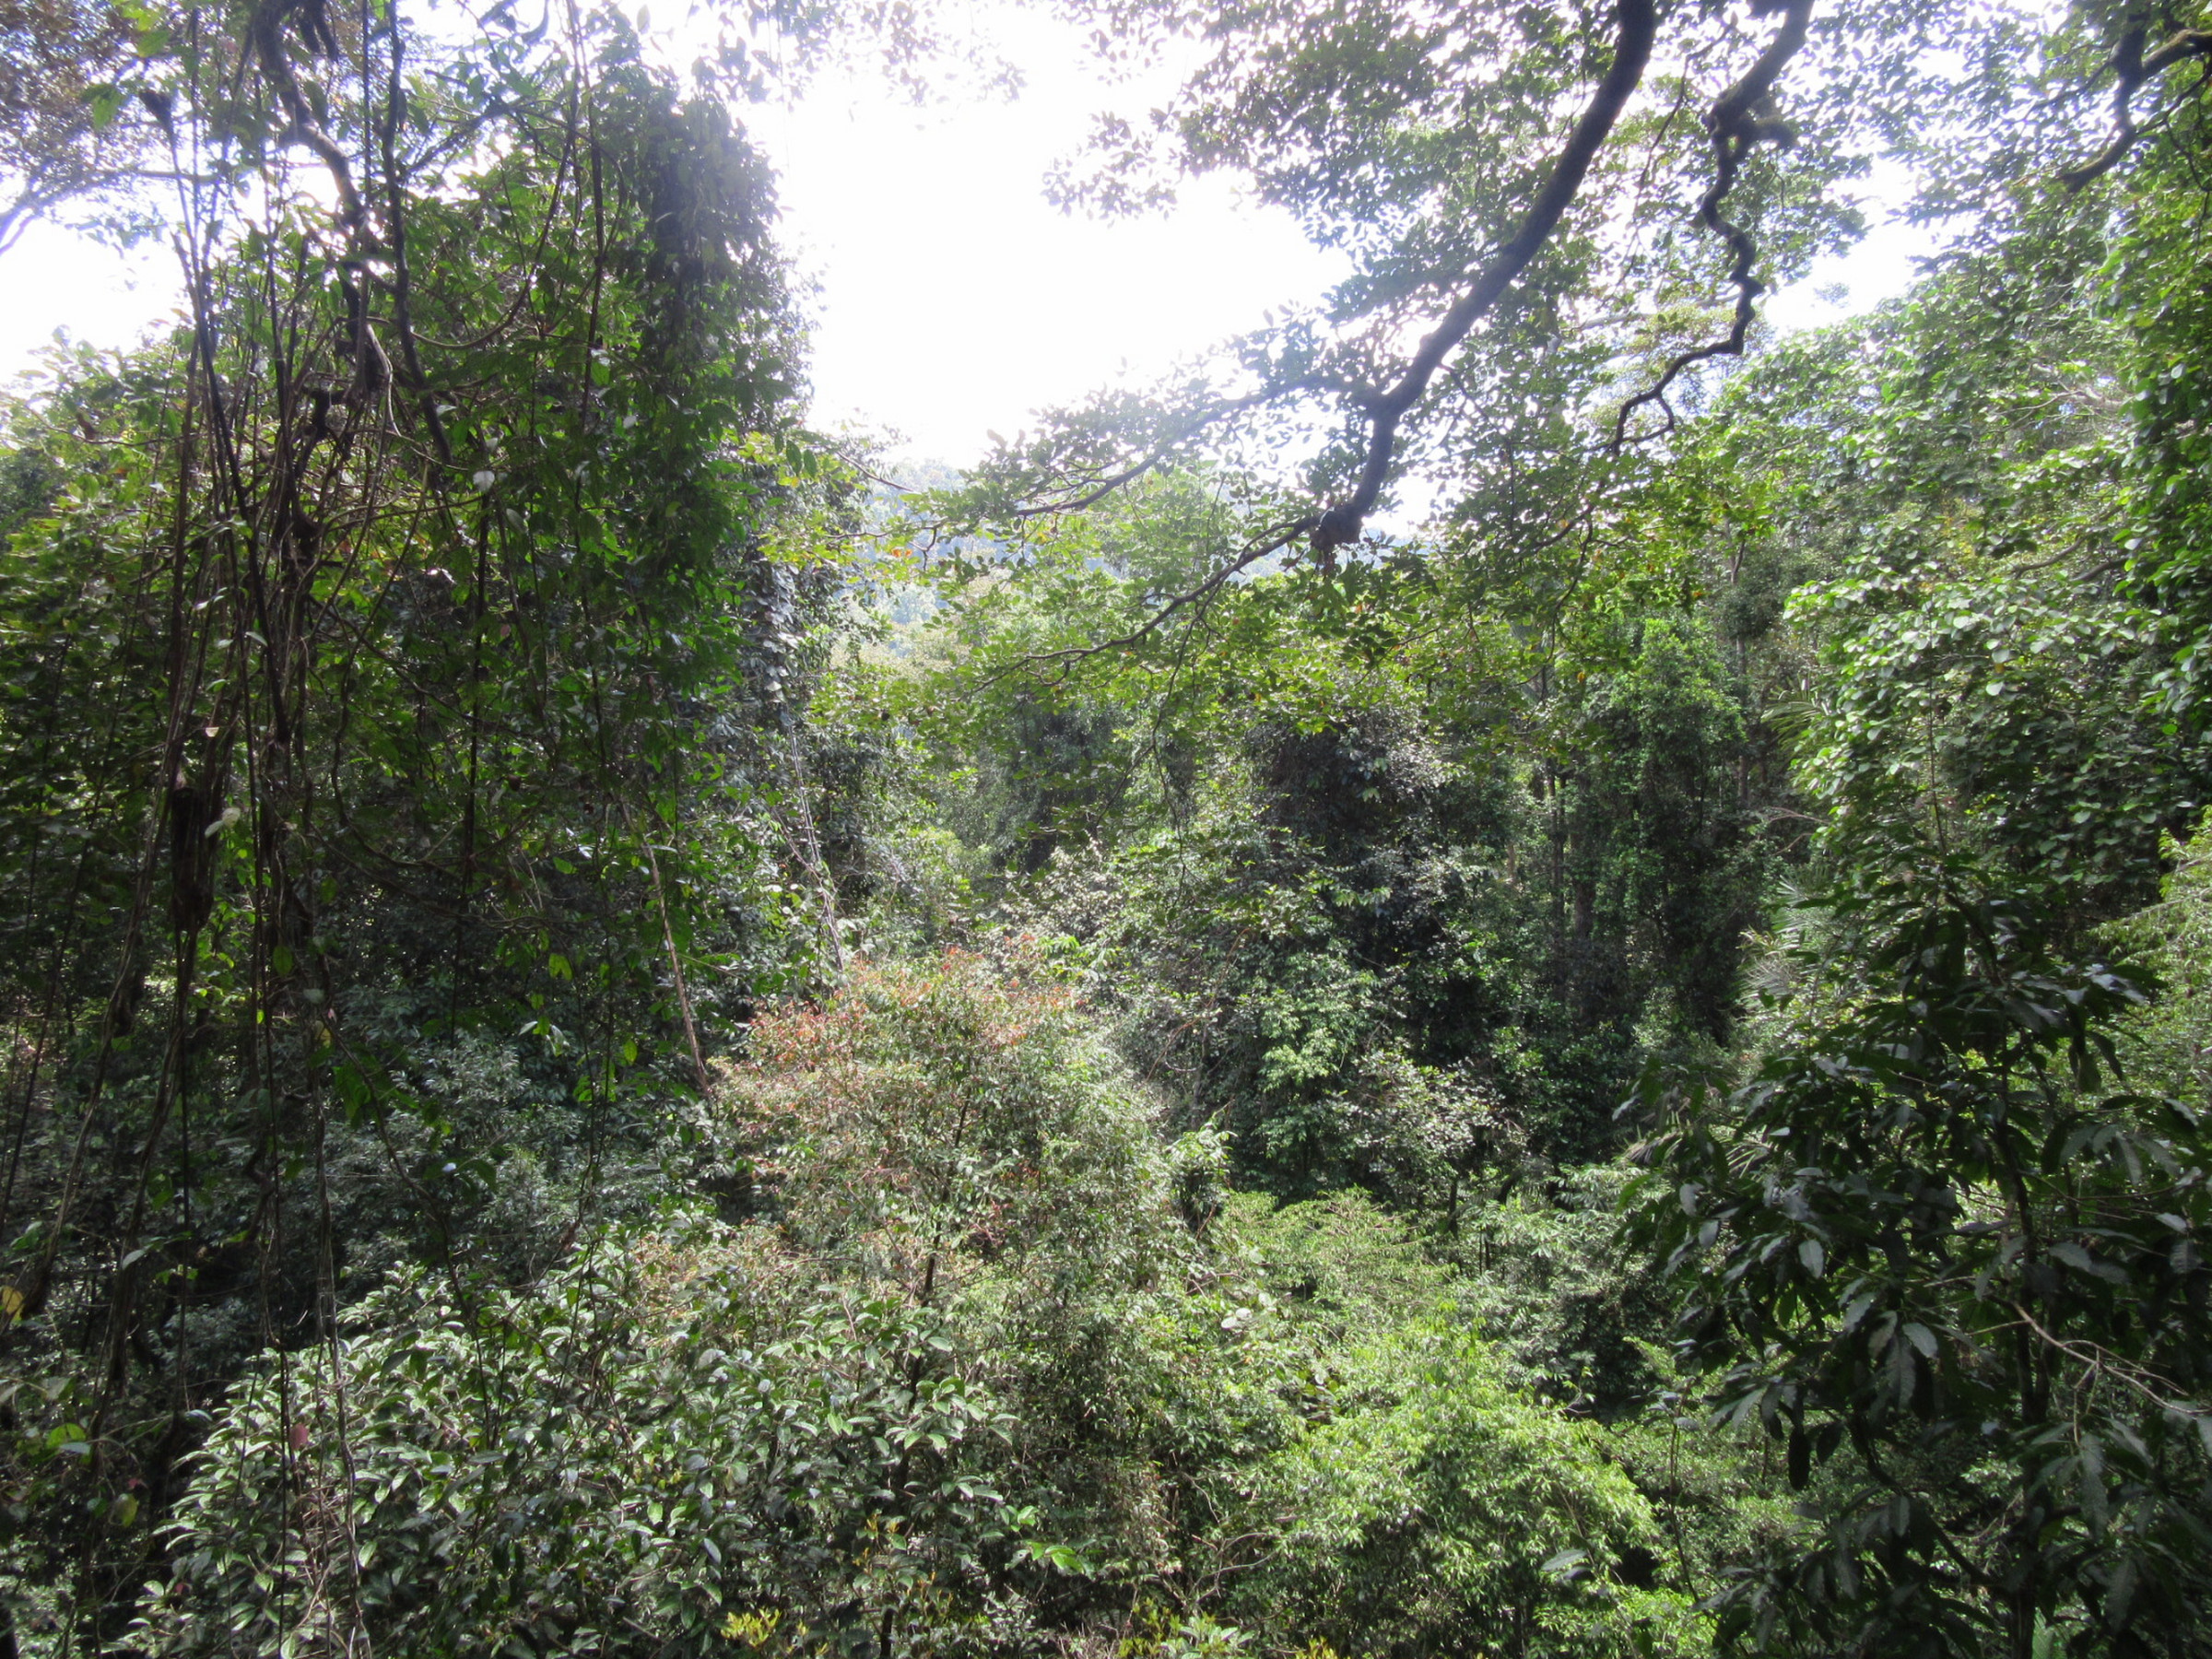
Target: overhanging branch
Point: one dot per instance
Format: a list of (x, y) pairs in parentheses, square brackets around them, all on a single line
[(2133, 68), (265, 28), (1096, 490), (1735, 126), (1273, 542), (1638, 23)]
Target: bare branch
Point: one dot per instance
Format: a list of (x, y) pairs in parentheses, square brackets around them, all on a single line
[(2102, 1361)]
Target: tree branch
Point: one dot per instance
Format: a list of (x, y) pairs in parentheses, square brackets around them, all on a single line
[(1638, 23), (1159, 454), (403, 314), (1736, 127), (265, 28), (1274, 542), (2134, 69)]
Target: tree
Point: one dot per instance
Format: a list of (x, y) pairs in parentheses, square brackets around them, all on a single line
[(389, 718), (1511, 183), (78, 110), (1934, 1239)]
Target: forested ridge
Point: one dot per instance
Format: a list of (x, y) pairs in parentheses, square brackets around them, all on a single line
[(1523, 970)]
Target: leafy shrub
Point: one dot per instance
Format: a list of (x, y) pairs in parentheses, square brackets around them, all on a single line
[(971, 1360), (795, 1420), (667, 1438)]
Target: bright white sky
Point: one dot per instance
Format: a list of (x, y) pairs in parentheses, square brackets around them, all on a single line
[(952, 299)]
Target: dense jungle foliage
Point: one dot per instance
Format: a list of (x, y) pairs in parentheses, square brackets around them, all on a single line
[(1526, 971)]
